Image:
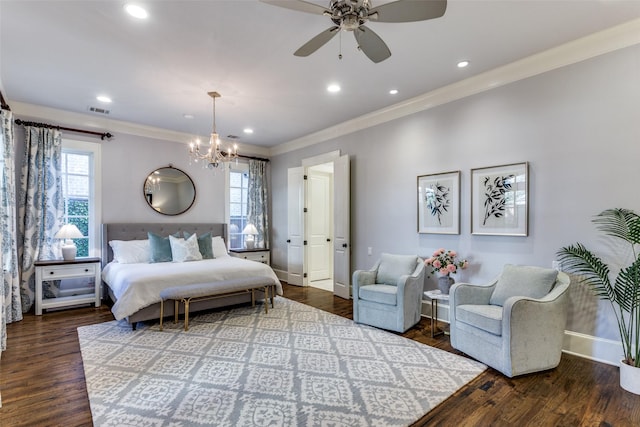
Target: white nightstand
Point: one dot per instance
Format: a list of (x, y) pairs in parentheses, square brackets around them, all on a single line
[(260, 255), (58, 270)]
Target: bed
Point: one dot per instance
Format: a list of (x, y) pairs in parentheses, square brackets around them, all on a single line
[(135, 287)]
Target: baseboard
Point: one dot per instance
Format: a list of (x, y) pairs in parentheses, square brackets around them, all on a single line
[(582, 345)]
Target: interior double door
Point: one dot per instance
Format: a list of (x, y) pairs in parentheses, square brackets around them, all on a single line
[(318, 231)]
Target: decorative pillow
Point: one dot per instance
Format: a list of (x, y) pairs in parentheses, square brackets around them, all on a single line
[(219, 247), (130, 251), (393, 266), (185, 250), (160, 247), (525, 281), (204, 244)]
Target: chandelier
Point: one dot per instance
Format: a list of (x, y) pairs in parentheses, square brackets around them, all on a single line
[(152, 184), (212, 156)]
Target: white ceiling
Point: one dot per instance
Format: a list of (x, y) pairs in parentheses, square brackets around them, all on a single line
[(62, 54)]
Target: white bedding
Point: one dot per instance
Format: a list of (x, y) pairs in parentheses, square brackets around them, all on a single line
[(138, 285)]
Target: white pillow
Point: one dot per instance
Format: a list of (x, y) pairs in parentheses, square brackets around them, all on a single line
[(185, 250), (131, 251), (219, 247)]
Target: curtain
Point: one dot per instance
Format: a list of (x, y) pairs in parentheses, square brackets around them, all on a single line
[(258, 201), (10, 307), (41, 204)]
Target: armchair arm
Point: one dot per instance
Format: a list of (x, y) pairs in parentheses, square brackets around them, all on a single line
[(410, 286), (361, 278)]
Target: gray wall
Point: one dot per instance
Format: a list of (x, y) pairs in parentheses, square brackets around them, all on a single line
[(126, 162), (579, 129)]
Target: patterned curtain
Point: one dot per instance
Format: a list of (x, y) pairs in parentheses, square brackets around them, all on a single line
[(10, 308), (258, 201), (41, 204)]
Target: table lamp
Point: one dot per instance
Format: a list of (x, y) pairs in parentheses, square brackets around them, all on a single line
[(250, 239), (68, 232)]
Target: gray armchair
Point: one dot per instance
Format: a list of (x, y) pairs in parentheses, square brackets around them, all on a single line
[(389, 296), (515, 324)]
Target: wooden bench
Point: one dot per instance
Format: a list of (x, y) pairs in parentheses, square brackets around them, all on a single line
[(204, 291)]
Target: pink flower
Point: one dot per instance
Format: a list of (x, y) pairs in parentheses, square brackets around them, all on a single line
[(451, 268), (428, 261), (437, 263), (465, 264), (444, 271), (452, 254)]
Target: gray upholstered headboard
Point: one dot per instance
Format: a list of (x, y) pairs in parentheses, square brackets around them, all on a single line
[(138, 231)]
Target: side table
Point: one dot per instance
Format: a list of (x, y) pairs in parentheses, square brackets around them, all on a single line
[(59, 269), (435, 296)]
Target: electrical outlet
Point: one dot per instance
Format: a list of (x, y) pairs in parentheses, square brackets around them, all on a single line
[(369, 251)]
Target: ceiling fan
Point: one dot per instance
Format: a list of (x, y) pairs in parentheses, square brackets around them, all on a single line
[(352, 15)]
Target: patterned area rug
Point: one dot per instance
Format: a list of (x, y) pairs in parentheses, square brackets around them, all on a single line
[(295, 366)]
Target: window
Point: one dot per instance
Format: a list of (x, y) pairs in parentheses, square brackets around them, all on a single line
[(238, 188), (79, 185)]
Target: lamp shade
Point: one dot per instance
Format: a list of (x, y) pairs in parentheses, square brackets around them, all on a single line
[(250, 229), (68, 231)]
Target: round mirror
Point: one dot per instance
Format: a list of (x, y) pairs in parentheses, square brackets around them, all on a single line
[(169, 191)]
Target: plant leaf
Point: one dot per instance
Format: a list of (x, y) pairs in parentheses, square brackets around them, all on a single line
[(621, 223), (595, 273)]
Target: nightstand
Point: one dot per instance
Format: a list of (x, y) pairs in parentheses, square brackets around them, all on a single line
[(260, 255), (80, 268)]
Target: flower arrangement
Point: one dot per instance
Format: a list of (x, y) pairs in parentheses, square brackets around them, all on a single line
[(444, 262)]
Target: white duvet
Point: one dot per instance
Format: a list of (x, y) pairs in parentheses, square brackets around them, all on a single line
[(138, 285)]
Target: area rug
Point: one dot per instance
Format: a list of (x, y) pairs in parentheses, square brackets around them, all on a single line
[(295, 366)]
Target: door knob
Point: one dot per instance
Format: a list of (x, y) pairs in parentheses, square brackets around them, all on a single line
[(344, 245), (288, 240)]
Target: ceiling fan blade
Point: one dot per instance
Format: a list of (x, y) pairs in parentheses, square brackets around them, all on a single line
[(317, 42), (371, 44), (299, 5), (408, 11)]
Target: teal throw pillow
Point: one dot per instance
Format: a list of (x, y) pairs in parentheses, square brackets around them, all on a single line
[(160, 247), (204, 244)]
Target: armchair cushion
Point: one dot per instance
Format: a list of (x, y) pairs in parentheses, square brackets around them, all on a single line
[(527, 281), (394, 266), (485, 317), (383, 294)]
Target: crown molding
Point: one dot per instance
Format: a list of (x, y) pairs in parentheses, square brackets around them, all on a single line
[(103, 124), (596, 44)]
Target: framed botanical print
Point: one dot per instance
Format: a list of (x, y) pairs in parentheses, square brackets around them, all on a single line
[(439, 203), (500, 200)]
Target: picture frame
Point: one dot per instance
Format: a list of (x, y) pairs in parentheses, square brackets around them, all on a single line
[(439, 203), (500, 200)]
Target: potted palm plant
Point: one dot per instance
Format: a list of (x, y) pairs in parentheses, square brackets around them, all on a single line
[(623, 294)]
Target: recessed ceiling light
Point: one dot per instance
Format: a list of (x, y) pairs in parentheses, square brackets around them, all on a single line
[(136, 11), (188, 116), (103, 98), (393, 91), (463, 64), (333, 88), (248, 130)]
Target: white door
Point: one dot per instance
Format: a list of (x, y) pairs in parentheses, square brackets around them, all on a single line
[(319, 224), (341, 230), (295, 219)]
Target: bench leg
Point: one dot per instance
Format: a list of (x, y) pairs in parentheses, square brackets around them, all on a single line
[(273, 294), (186, 313), (266, 299), (176, 310), (253, 297), (161, 312)]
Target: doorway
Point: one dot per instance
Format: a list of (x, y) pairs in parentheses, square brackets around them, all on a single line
[(318, 253)]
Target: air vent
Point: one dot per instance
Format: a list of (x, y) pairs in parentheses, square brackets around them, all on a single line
[(233, 137), (98, 110)]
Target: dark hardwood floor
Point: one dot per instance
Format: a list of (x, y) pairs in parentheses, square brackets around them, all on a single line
[(42, 379)]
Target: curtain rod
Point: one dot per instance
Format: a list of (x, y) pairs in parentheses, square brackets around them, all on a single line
[(102, 135)]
